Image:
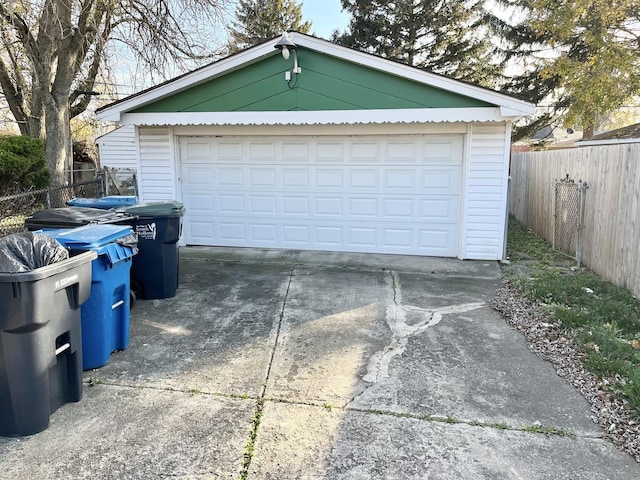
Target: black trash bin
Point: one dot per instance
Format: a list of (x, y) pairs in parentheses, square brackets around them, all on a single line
[(154, 272), (41, 342), (71, 217)]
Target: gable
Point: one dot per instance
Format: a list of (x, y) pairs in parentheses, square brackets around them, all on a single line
[(326, 83)]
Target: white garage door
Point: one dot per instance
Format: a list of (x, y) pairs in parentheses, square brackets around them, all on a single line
[(354, 194)]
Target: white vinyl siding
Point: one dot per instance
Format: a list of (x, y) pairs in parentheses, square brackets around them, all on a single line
[(157, 180), (118, 148), (486, 192)]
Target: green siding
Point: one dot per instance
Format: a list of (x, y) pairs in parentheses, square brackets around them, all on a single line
[(326, 83)]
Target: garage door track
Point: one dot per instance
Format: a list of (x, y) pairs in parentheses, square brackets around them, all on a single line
[(299, 365)]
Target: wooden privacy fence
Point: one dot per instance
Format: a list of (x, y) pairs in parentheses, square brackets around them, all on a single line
[(611, 234)]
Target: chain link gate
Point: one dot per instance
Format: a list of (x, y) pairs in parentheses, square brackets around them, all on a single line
[(569, 202)]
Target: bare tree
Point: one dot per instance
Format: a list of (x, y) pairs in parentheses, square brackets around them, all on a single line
[(52, 51)]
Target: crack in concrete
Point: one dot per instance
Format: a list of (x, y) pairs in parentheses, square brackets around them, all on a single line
[(278, 328), (396, 317)]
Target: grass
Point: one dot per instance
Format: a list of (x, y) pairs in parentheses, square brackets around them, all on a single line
[(603, 318)]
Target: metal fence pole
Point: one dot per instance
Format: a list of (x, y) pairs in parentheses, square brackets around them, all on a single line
[(582, 188)]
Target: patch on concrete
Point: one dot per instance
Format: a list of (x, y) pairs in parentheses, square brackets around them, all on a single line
[(397, 315)]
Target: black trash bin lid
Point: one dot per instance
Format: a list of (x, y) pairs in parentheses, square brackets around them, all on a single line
[(170, 208), (74, 217)]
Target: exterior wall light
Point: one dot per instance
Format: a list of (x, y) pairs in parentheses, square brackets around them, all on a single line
[(286, 46)]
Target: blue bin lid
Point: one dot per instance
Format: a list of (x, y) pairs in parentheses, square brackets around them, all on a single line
[(99, 238), (109, 202)]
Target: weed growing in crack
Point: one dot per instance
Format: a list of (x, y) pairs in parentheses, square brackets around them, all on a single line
[(251, 443)]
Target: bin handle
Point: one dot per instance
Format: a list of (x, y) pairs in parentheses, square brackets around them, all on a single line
[(61, 349)]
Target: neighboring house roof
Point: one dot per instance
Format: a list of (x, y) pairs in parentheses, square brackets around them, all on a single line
[(628, 134), (337, 86)]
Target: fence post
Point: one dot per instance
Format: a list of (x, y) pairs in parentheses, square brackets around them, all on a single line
[(101, 182), (582, 188), (47, 198)]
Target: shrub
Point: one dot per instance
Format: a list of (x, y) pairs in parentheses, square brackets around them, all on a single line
[(22, 163)]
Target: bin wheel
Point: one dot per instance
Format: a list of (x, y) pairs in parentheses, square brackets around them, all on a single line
[(136, 288), (132, 299)]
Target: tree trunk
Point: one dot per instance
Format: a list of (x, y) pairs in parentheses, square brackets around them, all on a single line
[(58, 141), (588, 131)]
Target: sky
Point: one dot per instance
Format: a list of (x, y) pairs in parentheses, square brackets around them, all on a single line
[(325, 16)]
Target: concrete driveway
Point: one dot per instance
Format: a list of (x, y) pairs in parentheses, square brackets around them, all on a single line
[(294, 365)]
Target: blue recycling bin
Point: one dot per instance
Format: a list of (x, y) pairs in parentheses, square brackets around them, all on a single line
[(104, 203), (105, 315)]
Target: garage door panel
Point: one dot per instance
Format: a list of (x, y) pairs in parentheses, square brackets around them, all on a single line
[(363, 207), (399, 179), (362, 237), (201, 230), (440, 180), (398, 238), (199, 175), (438, 238), (266, 234), (229, 177), (438, 210), (295, 178), (297, 152), (262, 177), (329, 237), (368, 152), (232, 231), (200, 203), (442, 153), (402, 152), (296, 205), (329, 206), (260, 152), (330, 151), (199, 152), (229, 151), (231, 204), (338, 193), (328, 179), (296, 235), (402, 209), (364, 179), (263, 205)]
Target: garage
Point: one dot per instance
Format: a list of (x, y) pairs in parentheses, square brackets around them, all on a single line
[(352, 194), (343, 152)]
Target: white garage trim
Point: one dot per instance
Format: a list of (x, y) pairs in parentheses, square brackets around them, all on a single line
[(323, 117)]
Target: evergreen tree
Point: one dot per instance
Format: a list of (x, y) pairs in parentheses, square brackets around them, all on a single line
[(581, 57), (444, 36), (259, 20)]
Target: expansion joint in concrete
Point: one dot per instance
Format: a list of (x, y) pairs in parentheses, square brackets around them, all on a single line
[(255, 423)]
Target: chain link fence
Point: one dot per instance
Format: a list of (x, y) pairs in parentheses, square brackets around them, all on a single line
[(14, 209), (569, 216), (119, 181)]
